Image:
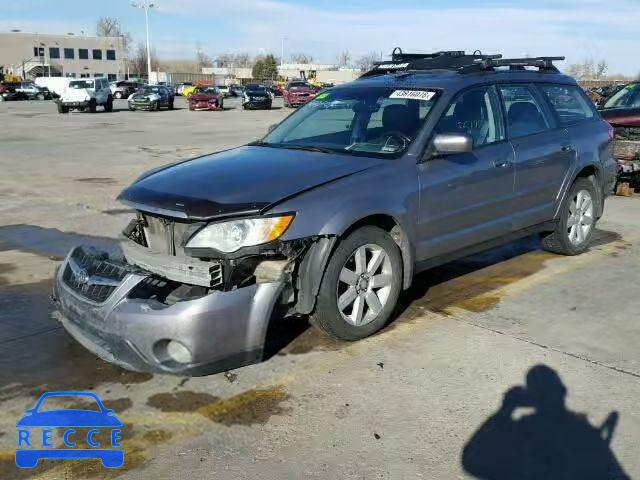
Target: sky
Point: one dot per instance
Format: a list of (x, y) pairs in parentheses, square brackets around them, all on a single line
[(577, 29)]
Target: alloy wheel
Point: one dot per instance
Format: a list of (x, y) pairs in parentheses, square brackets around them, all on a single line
[(580, 220), (364, 284)]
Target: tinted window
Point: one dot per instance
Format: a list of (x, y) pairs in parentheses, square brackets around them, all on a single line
[(97, 54), (68, 53), (628, 97), (83, 54), (54, 52), (476, 113), (569, 103), (111, 54), (524, 113)]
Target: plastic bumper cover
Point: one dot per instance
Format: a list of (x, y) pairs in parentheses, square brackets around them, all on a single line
[(219, 331)]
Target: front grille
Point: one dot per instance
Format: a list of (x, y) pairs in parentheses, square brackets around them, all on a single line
[(95, 277)]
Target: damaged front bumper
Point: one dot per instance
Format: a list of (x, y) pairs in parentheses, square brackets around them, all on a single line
[(103, 308)]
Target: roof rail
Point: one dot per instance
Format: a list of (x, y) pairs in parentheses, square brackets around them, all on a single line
[(456, 60)]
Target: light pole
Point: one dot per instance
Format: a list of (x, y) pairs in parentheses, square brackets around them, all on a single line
[(146, 5)]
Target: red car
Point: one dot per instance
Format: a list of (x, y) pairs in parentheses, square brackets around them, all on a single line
[(206, 98), (298, 93)]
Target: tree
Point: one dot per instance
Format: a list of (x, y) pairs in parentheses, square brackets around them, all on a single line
[(344, 58), (301, 58), (601, 69), (265, 68), (138, 60), (111, 27), (242, 60), (202, 60), (366, 62)]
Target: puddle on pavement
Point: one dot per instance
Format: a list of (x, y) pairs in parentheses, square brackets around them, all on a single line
[(254, 406), (50, 242), (97, 180), (118, 404), (313, 340), (4, 269)]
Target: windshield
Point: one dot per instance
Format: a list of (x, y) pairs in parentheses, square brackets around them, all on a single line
[(295, 86), (628, 97), (256, 89), (149, 90), (367, 121), (81, 84)]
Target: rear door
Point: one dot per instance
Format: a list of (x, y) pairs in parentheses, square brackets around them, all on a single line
[(543, 154), (466, 199)]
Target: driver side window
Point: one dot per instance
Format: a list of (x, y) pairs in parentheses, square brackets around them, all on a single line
[(474, 112)]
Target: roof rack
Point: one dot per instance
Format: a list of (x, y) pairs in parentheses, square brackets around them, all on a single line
[(456, 60)]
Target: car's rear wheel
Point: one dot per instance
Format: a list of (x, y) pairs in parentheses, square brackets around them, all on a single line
[(577, 221), (361, 285), (157, 106), (171, 104), (108, 107), (62, 108)]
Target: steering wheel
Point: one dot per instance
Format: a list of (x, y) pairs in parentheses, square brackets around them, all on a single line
[(402, 139)]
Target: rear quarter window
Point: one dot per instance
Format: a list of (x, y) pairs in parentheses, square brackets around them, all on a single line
[(569, 103)]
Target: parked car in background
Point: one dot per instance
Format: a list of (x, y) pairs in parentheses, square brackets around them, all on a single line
[(86, 94), (224, 90), (189, 89), (298, 93), (8, 92), (622, 111), (180, 86), (151, 97), (31, 91), (256, 95), (236, 90), (206, 98), (276, 90), (123, 88)]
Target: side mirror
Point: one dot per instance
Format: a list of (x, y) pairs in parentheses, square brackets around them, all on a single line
[(271, 127), (452, 143)]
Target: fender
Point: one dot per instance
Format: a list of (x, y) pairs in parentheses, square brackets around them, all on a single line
[(597, 183)]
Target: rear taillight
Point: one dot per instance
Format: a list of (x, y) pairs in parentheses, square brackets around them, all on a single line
[(610, 130)]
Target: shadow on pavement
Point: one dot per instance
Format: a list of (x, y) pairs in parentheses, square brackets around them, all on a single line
[(552, 443)]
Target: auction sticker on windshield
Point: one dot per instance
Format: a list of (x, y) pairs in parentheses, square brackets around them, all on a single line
[(413, 94)]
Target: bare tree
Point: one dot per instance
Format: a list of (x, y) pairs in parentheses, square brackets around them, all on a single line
[(366, 62), (601, 69), (588, 69), (344, 58), (301, 58), (111, 27), (202, 59), (138, 60)]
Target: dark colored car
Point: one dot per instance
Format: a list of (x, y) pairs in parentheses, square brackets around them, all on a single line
[(422, 160), (622, 111), (8, 92), (124, 88), (151, 97), (296, 94), (206, 98), (256, 95)]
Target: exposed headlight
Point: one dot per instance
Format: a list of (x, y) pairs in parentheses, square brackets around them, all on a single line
[(245, 96), (230, 236)]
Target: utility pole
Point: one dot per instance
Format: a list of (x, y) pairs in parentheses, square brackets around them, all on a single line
[(284, 37), (146, 5)]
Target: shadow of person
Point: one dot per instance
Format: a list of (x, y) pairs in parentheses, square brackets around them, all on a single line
[(550, 443)]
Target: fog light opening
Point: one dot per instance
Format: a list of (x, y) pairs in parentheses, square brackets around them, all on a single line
[(172, 353)]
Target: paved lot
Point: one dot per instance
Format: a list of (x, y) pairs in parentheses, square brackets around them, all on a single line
[(400, 405)]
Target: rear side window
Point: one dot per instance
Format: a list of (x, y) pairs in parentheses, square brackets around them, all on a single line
[(569, 103), (524, 113)]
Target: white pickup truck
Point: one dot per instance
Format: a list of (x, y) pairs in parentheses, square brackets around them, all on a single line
[(86, 94)]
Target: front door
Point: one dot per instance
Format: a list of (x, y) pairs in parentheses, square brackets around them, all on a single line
[(466, 199)]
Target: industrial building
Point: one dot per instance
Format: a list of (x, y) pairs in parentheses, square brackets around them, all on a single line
[(33, 55)]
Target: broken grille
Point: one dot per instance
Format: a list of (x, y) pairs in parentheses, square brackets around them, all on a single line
[(92, 276)]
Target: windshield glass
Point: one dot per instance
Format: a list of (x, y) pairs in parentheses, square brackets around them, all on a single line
[(367, 121), (81, 84), (295, 86), (255, 88), (628, 97), (149, 90)]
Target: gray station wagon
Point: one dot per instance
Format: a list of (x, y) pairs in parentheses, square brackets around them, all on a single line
[(424, 159)]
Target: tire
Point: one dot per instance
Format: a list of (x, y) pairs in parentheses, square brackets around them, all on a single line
[(171, 105), (108, 107), (40, 96), (328, 315), (118, 95), (568, 239), (62, 108), (157, 106), (132, 108), (92, 106)]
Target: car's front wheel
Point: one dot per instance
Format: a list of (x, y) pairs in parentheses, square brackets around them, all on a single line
[(118, 95), (361, 285), (577, 221)]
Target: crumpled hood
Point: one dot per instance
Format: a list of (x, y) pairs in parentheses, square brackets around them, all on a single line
[(144, 97), (76, 95), (244, 180)]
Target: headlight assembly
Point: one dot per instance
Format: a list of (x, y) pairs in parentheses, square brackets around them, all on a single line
[(230, 236)]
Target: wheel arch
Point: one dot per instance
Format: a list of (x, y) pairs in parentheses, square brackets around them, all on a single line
[(593, 173)]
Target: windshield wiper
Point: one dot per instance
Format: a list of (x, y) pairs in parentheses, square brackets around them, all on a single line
[(308, 148)]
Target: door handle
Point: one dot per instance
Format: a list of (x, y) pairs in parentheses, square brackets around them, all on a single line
[(501, 163), (568, 148)]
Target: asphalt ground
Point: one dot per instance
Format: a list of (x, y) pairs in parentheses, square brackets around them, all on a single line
[(402, 404)]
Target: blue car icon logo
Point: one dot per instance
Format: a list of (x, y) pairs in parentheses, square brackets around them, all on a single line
[(33, 446)]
